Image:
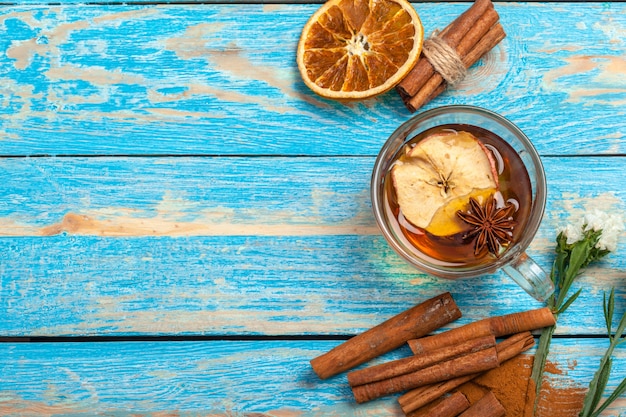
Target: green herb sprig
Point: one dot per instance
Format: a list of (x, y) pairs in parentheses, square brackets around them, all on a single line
[(597, 385), (577, 246)]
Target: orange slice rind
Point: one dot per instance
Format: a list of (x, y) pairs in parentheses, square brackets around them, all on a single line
[(356, 49)]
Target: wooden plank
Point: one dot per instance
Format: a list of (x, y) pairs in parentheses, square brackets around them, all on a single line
[(269, 246), (238, 196), (214, 378), (197, 79), (269, 286)]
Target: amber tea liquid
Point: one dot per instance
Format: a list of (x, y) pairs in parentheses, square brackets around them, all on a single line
[(455, 251)]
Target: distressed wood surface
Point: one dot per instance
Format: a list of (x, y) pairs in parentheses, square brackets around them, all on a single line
[(244, 245), (214, 378), (200, 80), (164, 173)]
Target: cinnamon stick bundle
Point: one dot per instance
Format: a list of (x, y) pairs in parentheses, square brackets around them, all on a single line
[(507, 349), (414, 363), (497, 326), (451, 406), (487, 406), (436, 84), (471, 35), (452, 34), (391, 334), (471, 363)]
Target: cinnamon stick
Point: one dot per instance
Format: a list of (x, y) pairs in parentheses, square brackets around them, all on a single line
[(487, 406), (471, 363), (452, 34), (469, 41), (413, 323), (493, 37), (497, 326), (435, 85), (514, 345), (414, 363), (419, 397), (451, 406)]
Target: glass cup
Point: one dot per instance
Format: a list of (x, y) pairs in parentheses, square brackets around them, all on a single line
[(514, 261)]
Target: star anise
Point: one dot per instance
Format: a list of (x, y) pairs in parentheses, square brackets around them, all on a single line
[(492, 226)]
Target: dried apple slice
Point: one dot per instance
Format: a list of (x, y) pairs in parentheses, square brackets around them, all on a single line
[(437, 177)]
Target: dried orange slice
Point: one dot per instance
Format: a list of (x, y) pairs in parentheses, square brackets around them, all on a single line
[(355, 49)]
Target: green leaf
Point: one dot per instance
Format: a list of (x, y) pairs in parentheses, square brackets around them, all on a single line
[(603, 380), (619, 333), (621, 388), (569, 301), (539, 363), (601, 377), (618, 337), (593, 236), (578, 255), (596, 387), (608, 310)]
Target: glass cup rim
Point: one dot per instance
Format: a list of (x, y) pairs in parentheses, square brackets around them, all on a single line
[(381, 165)]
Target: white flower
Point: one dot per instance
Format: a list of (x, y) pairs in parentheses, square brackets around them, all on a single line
[(612, 225), (573, 232), (598, 220)]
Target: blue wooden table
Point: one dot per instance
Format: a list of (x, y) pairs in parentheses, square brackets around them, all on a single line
[(184, 225)]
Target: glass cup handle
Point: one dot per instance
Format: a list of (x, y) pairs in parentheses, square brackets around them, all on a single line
[(528, 275)]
